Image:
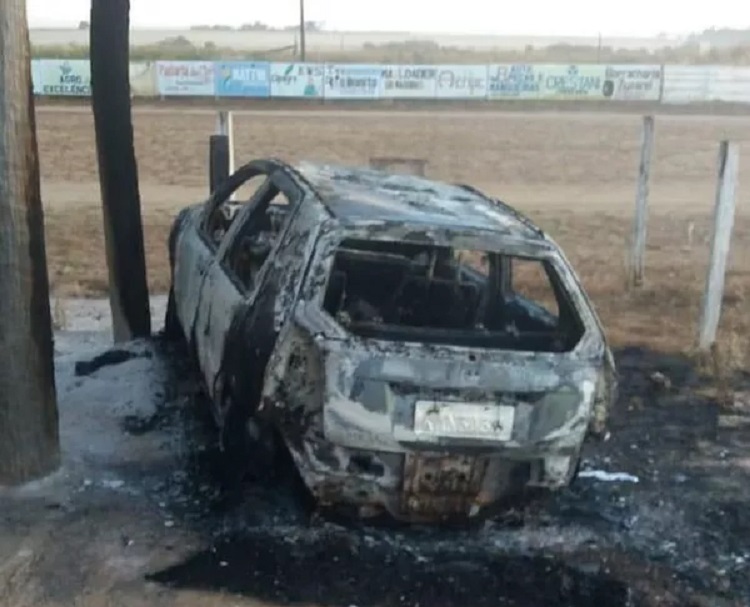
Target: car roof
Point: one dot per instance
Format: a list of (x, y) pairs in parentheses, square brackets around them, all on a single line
[(355, 195)]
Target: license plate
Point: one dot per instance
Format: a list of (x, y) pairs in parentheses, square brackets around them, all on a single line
[(463, 420)]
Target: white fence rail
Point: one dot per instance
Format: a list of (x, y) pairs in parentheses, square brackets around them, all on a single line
[(704, 84)]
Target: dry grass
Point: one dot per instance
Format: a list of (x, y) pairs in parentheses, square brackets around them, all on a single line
[(572, 173), (426, 52), (75, 250)]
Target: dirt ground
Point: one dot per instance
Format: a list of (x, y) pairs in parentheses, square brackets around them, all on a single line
[(146, 512), (572, 172)]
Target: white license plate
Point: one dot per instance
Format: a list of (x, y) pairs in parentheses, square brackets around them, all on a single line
[(463, 420)]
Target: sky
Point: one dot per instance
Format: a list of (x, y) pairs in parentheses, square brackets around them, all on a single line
[(539, 17)]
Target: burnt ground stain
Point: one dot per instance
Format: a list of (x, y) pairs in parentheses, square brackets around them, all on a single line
[(336, 571), (137, 425), (261, 545), (109, 358)]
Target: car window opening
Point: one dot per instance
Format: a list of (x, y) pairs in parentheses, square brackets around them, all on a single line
[(223, 216), (256, 239), (432, 294)]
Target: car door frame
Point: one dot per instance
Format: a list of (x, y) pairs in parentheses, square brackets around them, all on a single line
[(189, 277), (220, 292), (213, 361), (247, 360)]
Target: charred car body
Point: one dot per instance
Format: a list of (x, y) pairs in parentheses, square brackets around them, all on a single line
[(418, 348)]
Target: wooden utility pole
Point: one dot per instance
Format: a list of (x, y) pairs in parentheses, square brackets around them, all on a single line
[(118, 173), (720, 241), (638, 244), (29, 440), (302, 50)]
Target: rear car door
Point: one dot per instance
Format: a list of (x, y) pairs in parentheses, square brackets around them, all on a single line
[(198, 242), (235, 277)]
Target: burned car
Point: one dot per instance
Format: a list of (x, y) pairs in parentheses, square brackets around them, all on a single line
[(418, 348)]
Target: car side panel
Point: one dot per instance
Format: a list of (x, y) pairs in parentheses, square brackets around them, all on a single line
[(192, 256), (219, 303), (220, 298)]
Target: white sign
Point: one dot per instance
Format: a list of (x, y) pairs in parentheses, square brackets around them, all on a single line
[(633, 82), (409, 81), (190, 78), (687, 83), (353, 81), (143, 79), (297, 80), (69, 78), (461, 82)]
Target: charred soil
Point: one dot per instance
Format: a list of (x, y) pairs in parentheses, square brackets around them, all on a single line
[(153, 516)]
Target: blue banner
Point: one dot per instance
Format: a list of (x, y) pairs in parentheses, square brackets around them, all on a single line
[(243, 79)]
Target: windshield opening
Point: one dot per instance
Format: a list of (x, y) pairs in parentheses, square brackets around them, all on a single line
[(405, 291)]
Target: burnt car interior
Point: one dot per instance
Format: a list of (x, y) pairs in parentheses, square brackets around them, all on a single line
[(221, 218), (261, 227), (432, 294)]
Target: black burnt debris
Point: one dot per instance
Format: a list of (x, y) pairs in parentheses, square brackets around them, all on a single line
[(678, 538), (148, 495), (109, 358)]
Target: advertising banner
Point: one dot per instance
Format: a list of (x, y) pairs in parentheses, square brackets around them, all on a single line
[(353, 81), (409, 81), (69, 78), (551, 82), (461, 82), (514, 81), (619, 82), (586, 81), (143, 79), (243, 79), (633, 82), (189, 78), (297, 80)]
